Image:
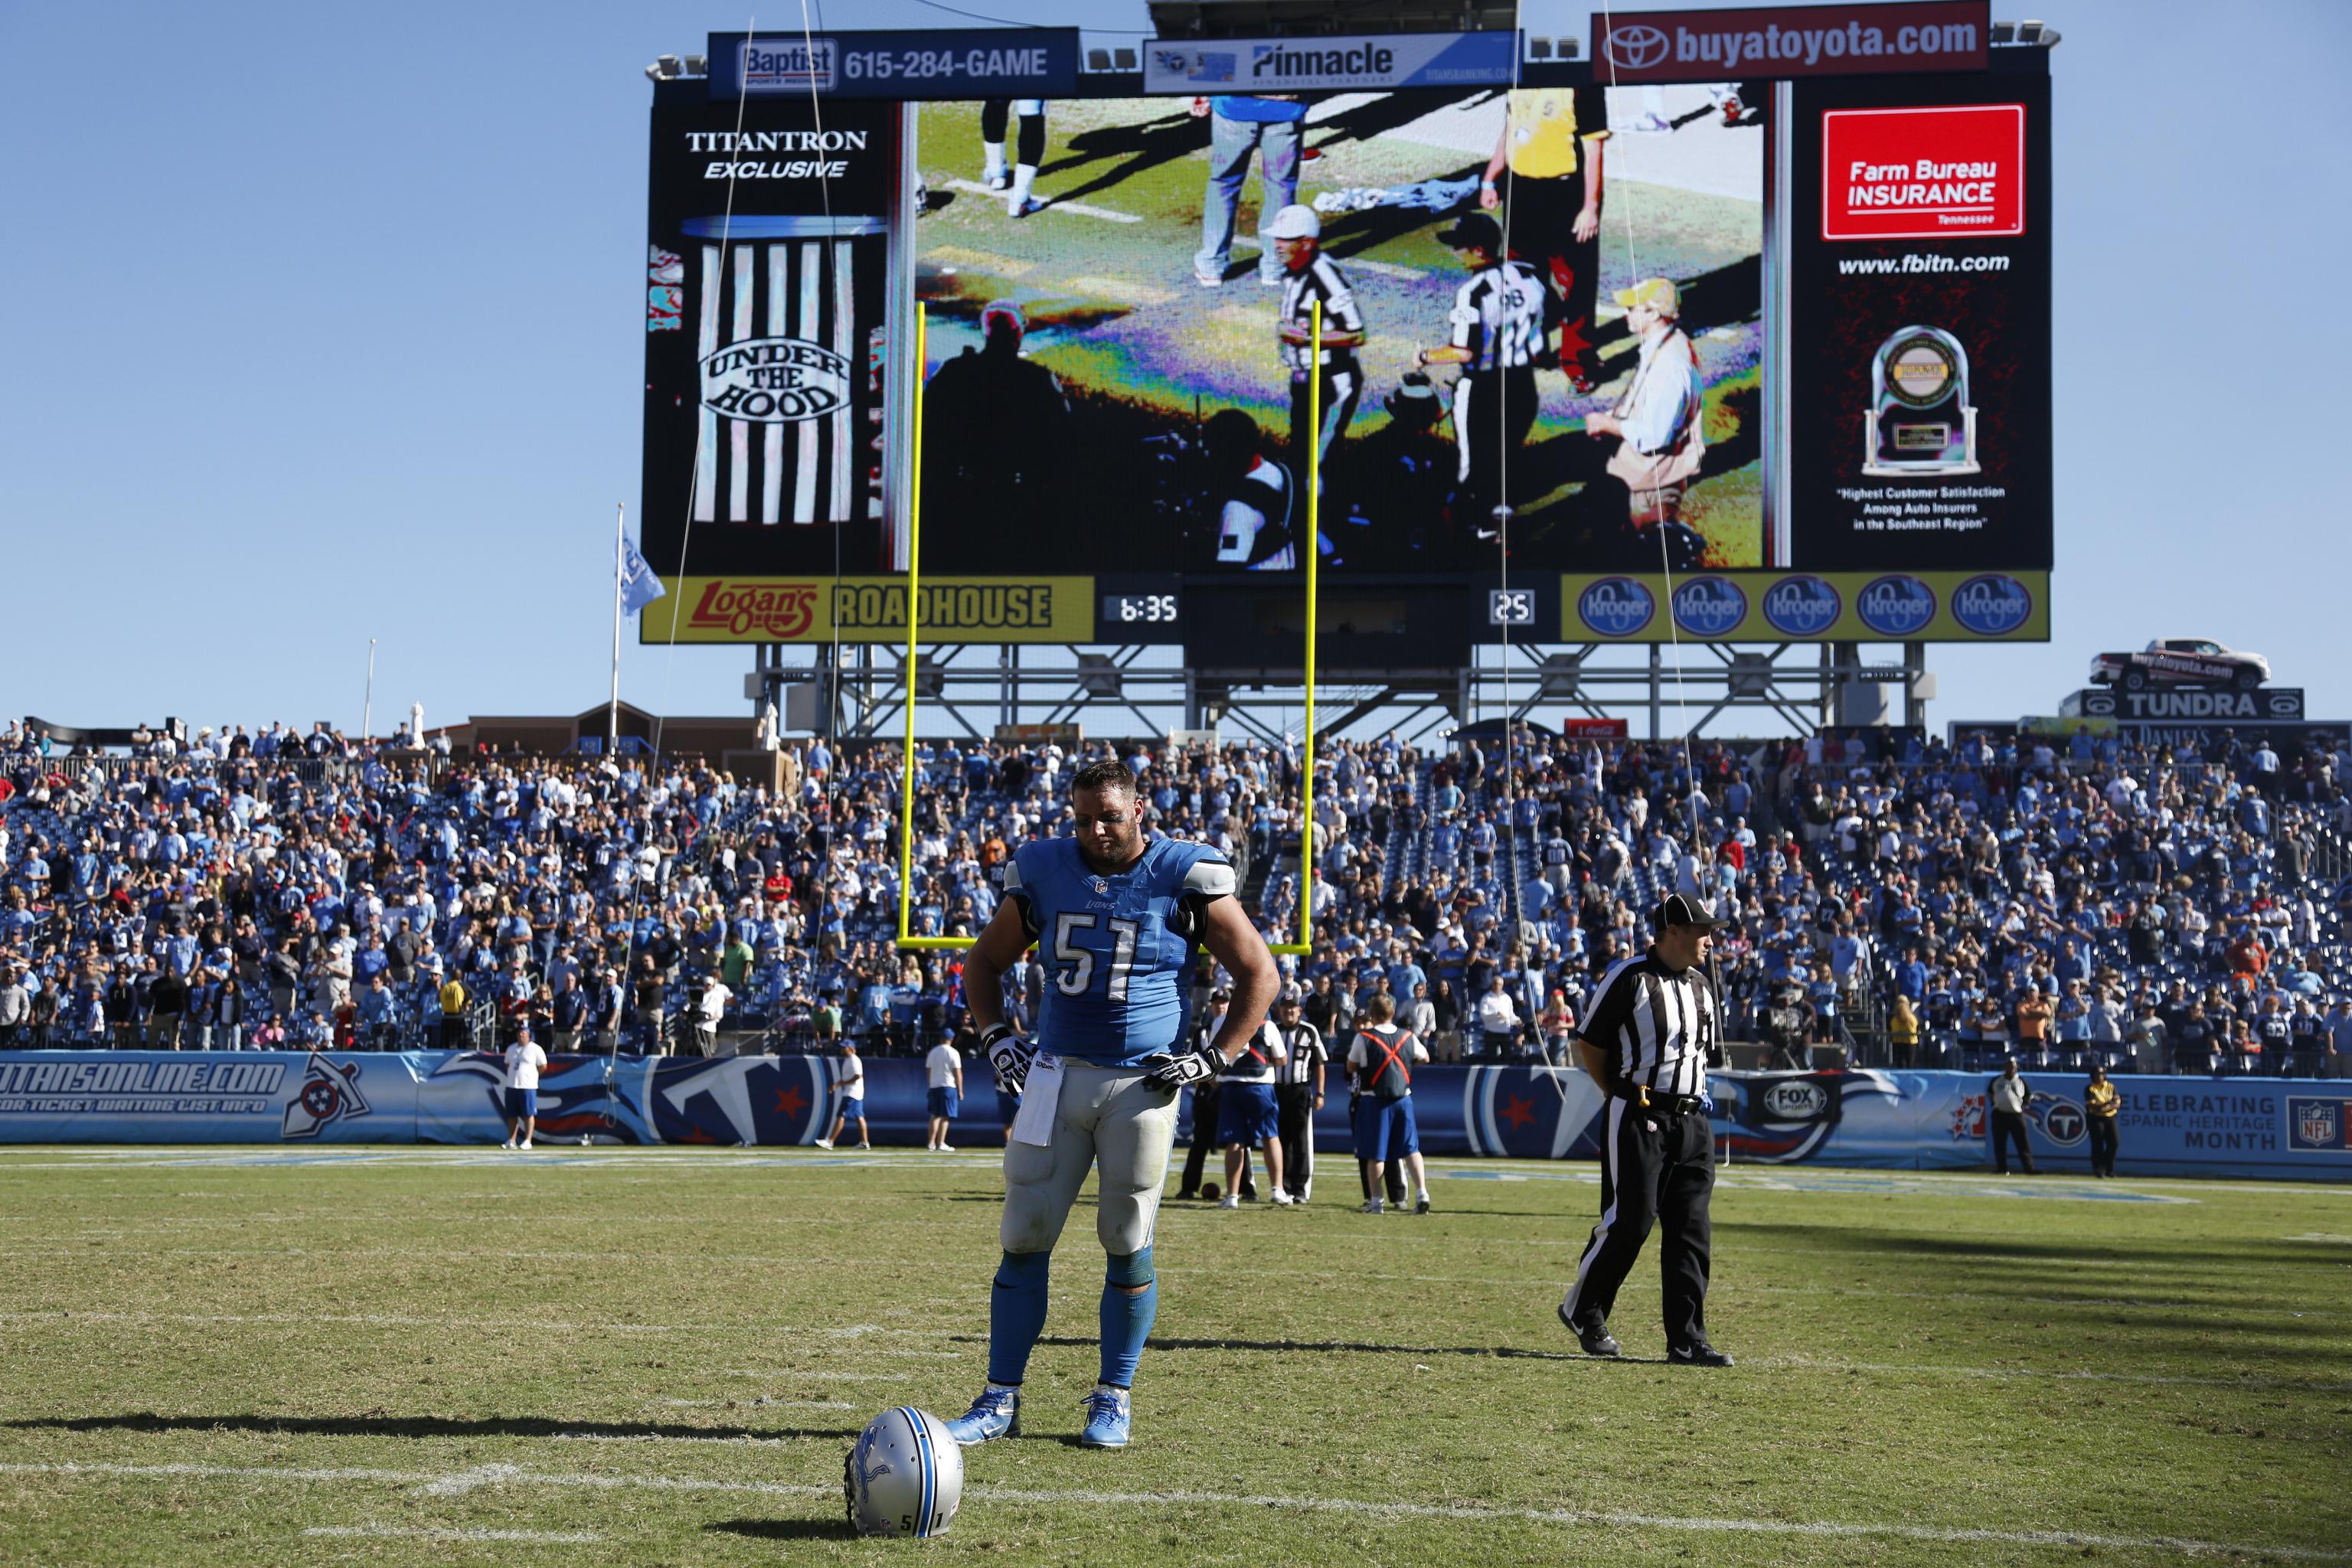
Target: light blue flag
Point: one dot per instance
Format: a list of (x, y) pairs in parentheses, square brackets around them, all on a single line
[(639, 586)]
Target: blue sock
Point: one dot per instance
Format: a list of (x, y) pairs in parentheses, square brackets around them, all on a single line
[(1016, 1314), (1126, 1318)]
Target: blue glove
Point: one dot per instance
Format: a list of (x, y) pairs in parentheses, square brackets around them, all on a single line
[(1707, 1102), (1187, 1069), (1009, 1057)]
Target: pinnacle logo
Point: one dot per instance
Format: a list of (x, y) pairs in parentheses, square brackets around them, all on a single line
[(781, 610)]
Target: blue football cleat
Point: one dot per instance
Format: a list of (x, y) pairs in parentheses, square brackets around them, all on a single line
[(1106, 1418), (996, 1414)]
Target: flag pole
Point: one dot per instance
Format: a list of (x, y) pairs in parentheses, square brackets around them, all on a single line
[(620, 560)]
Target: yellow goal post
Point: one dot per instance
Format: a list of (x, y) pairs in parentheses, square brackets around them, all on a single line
[(905, 939)]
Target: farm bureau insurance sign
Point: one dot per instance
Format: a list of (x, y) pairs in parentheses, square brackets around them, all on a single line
[(1767, 41)]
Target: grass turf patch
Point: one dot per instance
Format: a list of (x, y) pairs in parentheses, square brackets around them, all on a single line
[(436, 1356)]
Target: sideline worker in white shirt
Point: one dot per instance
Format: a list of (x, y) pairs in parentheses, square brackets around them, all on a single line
[(524, 1060), (851, 1081), (943, 1075)]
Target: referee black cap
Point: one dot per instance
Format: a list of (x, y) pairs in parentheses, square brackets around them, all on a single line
[(1473, 230), (1682, 910)]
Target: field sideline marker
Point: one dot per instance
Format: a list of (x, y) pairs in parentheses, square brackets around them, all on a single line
[(464, 1481)]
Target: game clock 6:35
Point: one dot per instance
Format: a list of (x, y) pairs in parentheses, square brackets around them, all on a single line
[(1139, 609)]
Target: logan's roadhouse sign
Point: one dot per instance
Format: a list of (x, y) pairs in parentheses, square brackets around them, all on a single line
[(733, 609)]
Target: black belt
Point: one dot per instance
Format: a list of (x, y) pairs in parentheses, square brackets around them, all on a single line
[(1664, 1104)]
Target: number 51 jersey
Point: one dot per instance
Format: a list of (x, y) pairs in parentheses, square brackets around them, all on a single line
[(1118, 949)]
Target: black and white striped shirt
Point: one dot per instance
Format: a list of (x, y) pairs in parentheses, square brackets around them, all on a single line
[(1498, 316), (1319, 279), (1656, 1024), (1306, 1043)]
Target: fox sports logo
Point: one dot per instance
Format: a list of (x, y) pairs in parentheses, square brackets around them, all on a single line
[(1802, 606), (1616, 606), (1896, 606), (1992, 604), (1709, 606)]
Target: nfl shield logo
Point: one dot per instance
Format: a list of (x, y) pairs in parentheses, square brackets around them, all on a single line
[(1101, 886), (2316, 1123)]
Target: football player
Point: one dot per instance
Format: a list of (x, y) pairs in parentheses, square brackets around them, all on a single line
[(1117, 920)]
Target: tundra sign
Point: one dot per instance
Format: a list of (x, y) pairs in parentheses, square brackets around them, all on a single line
[(2191, 705)]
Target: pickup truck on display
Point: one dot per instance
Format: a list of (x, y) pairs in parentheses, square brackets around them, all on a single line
[(2180, 661)]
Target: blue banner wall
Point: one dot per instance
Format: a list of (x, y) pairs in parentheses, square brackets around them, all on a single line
[(1896, 1120)]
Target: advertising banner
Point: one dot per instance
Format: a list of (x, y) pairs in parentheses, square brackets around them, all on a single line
[(1761, 42), (2188, 705), (1919, 279), (937, 62), (1370, 63), (766, 293), (872, 610), (1808, 606), (2295, 1128)]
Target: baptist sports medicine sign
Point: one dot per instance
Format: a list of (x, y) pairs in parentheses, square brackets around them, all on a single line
[(1767, 41), (1376, 62)]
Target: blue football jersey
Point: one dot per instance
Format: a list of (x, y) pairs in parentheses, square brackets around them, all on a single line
[(1118, 950)]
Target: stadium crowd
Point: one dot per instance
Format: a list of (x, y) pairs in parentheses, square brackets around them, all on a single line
[(2066, 900)]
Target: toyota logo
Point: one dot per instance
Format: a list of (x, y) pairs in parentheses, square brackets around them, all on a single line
[(1636, 47)]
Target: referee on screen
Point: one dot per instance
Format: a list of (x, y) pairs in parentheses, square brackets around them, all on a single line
[(1648, 1035)]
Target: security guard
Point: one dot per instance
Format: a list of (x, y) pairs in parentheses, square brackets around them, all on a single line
[(2100, 1105), (1647, 1041), (1297, 1092)]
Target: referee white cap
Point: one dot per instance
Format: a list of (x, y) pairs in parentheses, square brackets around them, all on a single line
[(1005, 310), (1296, 222)]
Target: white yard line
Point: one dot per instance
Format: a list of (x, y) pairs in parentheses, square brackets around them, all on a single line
[(453, 1534), (1052, 206), (464, 1481)]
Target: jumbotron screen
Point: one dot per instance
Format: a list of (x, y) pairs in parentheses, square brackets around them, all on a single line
[(1561, 323)]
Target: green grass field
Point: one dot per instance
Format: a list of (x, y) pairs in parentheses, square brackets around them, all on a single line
[(438, 1356)]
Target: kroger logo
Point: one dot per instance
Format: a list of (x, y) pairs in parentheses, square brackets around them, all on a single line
[(1709, 606), (1635, 46), (1802, 606), (1795, 1100), (1896, 606), (1991, 606), (1616, 606)]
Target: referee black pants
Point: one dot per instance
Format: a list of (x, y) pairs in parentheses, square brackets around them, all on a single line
[(1493, 412), (2009, 1127), (1654, 1167), (1293, 1105)]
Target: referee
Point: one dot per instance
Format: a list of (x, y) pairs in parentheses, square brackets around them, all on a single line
[(1499, 336), (1646, 1041), (1310, 277), (1297, 1092)]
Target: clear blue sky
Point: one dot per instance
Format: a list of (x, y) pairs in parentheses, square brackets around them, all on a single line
[(327, 326)]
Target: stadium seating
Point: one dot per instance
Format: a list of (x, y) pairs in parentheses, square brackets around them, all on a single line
[(244, 891)]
